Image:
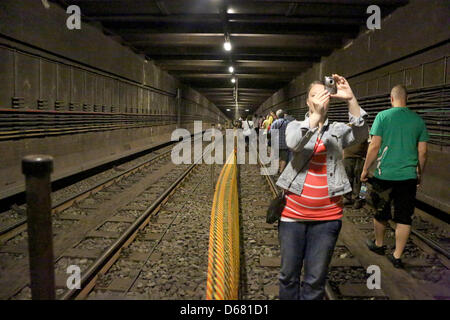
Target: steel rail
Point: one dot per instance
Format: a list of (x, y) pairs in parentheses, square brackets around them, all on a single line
[(19, 226), (431, 243), (106, 260), (427, 241), (66, 203)]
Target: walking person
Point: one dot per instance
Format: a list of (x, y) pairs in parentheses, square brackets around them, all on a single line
[(353, 163), (266, 123), (266, 127), (399, 146), (314, 182), (256, 123), (280, 124), (288, 117), (261, 122), (271, 117), (247, 126)]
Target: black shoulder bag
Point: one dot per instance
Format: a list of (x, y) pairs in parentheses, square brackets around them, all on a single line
[(275, 208), (277, 205)]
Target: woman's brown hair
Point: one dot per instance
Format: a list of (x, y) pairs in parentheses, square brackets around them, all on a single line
[(311, 85)]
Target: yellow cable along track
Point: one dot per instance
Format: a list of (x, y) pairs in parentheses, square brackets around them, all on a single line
[(223, 255)]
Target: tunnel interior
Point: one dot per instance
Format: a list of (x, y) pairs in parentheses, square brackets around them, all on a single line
[(132, 71), (108, 88)]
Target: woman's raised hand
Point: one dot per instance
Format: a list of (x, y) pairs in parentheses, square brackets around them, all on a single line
[(344, 92)]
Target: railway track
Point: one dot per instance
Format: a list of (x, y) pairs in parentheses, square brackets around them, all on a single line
[(167, 259), (163, 255), (145, 236), (13, 221), (433, 232), (425, 259), (259, 245), (90, 223), (13, 217)]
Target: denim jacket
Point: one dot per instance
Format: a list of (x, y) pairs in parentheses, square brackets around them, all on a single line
[(336, 136)]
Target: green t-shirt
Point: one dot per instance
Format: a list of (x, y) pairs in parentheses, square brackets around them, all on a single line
[(400, 130)]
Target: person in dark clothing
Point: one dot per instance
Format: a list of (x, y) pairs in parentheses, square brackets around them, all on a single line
[(256, 123), (280, 124), (353, 163)]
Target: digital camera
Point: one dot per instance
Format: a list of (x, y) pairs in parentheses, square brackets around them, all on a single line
[(330, 85)]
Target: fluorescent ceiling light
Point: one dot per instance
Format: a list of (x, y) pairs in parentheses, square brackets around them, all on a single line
[(231, 69), (227, 45)]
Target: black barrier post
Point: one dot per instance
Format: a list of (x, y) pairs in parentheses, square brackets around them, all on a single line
[(37, 169)]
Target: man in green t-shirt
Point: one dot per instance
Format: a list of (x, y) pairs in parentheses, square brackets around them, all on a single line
[(399, 146)]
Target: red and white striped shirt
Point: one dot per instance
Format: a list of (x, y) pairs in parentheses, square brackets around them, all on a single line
[(314, 203)]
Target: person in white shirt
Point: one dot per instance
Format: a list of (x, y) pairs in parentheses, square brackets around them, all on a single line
[(247, 126)]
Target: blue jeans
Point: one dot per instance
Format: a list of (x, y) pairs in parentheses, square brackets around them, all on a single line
[(311, 244)]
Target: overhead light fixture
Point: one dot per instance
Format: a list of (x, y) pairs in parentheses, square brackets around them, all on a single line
[(233, 80), (227, 45), (247, 110), (228, 109), (231, 11), (231, 69)]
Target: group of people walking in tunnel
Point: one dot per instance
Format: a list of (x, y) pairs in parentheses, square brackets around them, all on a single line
[(265, 125), (322, 167)]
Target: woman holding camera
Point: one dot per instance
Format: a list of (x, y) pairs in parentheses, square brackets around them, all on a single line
[(314, 182)]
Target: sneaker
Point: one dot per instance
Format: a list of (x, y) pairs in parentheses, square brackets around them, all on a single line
[(358, 204), (396, 262), (347, 201), (374, 248)]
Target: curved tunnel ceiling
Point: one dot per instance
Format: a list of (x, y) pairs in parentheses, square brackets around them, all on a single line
[(272, 41)]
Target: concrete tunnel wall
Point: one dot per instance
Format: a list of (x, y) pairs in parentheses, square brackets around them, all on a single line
[(53, 79), (412, 47)]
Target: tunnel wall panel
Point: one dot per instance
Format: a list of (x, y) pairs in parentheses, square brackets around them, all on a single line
[(6, 74), (47, 94), (63, 81), (30, 22), (27, 80)]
